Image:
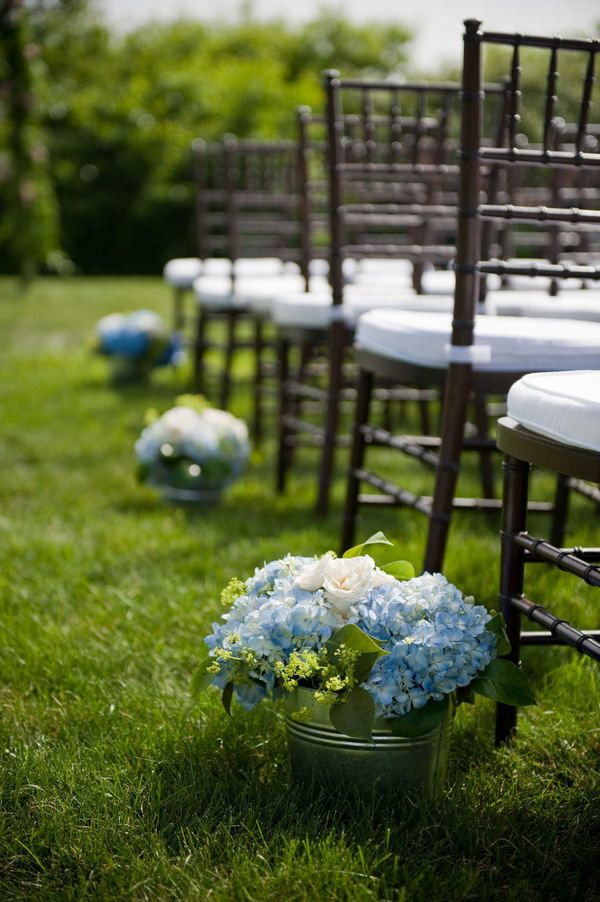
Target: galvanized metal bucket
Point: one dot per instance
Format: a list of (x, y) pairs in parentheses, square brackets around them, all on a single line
[(320, 755)]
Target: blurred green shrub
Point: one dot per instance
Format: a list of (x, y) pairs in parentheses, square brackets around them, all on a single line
[(121, 113), (29, 221)]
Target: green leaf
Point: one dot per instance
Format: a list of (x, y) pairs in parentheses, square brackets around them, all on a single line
[(399, 569), (202, 678), (355, 715), (419, 721), (497, 626), (504, 682), (364, 665), (353, 637), (227, 697), (377, 538), (465, 695)]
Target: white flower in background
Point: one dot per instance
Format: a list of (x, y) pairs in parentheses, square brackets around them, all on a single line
[(148, 322), (114, 322), (196, 435), (233, 433)]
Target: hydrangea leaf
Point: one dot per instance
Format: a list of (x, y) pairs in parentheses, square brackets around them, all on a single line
[(419, 721), (504, 682), (355, 715), (354, 638), (364, 665), (202, 677), (399, 569), (377, 538), (227, 697), (497, 626)]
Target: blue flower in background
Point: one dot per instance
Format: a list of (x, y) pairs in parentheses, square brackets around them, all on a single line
[(141, 336)]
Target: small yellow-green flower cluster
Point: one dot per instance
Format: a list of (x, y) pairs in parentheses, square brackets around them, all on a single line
[(232, 591), (302, 665), (337, 677)]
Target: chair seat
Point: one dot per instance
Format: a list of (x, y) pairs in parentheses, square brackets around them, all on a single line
[(572, 305), (515, 344), (314, 310), (254, 293), (398, 273), (561, 406), (182, 272)]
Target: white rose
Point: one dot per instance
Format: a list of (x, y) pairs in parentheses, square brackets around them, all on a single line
[(381, 578), (347, 580), (312, 576)]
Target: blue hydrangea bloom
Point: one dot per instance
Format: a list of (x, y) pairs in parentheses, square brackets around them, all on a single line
[(435, 639)]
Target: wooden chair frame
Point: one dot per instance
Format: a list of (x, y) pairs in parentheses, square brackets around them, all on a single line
[(426, 166), (461, 381), (253, 208), (522, 448)]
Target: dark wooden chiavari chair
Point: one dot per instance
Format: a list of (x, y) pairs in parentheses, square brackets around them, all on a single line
[(249, 214), (434, 350), (392, 194), (541, 430)]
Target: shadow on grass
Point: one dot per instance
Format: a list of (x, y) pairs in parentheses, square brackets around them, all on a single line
[(228, 781)]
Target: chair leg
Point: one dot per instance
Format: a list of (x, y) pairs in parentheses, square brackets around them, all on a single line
[(560, 511), (178, 309), (295, 407), (199, 351), (424, 417), (259, 349), (332, 414), (454, 417), (363, 403), (284, 435), (230, 348), (512, 568), (486, 462)]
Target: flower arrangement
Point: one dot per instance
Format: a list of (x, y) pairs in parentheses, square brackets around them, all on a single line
[(367, 637), (137, 342), (192, 451)]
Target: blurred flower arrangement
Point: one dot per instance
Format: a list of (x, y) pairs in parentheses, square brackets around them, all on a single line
[(137, 343), (193, 451), (371, 641)]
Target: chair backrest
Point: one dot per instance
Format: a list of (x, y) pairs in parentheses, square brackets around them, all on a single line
[(248, 199), (539, 154), (393, 178)]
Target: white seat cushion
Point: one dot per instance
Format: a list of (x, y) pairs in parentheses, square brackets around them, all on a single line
[(515, 343), (398, 273), (182, 271), (250, 292), (571, 305), (562, 406), (262, 266), (314, 310)]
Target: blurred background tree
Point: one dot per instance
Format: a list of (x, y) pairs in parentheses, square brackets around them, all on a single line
[(29, 222), (121, 112), (105, 149)]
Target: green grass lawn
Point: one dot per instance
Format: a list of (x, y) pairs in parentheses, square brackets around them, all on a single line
[(115, 783)]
